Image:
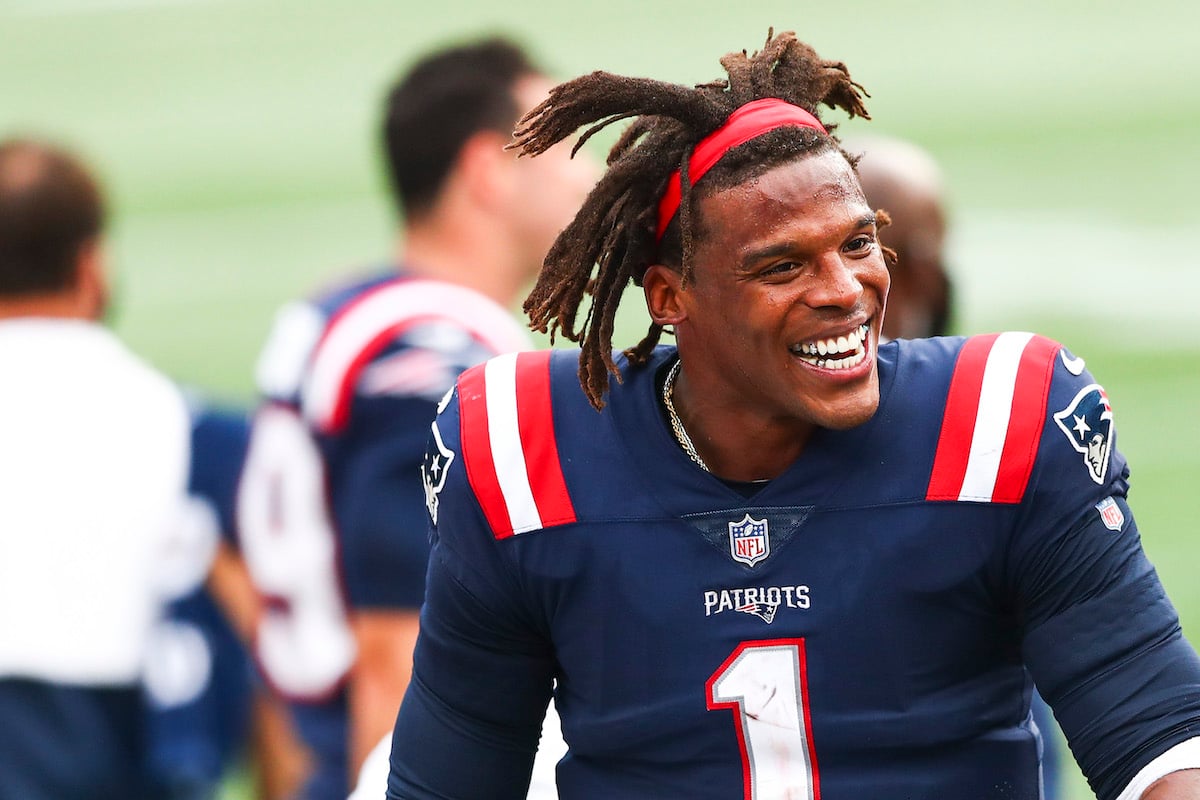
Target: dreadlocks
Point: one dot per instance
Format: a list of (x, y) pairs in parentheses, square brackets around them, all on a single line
[(614, 233)]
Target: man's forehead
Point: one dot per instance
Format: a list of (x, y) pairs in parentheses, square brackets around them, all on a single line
[(816, 184), (844, 189), (825, 176)]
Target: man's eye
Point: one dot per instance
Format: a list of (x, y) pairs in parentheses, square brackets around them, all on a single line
[(781, 269), (860, 243)]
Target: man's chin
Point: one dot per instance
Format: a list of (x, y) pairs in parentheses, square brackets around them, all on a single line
[(853, 413)]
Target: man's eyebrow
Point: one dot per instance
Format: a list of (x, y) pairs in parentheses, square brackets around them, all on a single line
[(750, 257), (782, 248)]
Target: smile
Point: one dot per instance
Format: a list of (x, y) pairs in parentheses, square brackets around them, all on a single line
[(841, 352)]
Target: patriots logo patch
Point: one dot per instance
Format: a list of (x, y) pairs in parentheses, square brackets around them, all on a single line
[(433, 471), (764, 611), (1088, 424), (749, 541)]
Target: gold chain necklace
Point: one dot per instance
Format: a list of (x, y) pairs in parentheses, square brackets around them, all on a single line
[(677, 428)]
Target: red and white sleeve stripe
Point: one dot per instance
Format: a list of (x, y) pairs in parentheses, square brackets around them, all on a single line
[(509, 445), (995, 412), (358, 332)]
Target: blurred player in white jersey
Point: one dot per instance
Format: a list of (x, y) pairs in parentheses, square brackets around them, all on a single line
[(352, 378), (93, 469)]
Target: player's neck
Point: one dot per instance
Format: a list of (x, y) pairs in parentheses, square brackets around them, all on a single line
[(477, 257), (57, 305), (733, 444)]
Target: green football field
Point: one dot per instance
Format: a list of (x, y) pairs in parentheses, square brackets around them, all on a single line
[(237, 140)]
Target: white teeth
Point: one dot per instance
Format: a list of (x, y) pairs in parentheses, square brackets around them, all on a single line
[(850, 346)]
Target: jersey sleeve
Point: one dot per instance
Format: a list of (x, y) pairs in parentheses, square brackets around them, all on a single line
[(483, 664), (1101, 639), (377, 503), (374, 450)]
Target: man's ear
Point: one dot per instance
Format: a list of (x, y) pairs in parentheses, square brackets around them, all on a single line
[(91, 279), (486, 168), (663, 287)]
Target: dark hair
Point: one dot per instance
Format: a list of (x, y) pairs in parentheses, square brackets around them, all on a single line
[(50, 206), (444, 99), (614, 232)]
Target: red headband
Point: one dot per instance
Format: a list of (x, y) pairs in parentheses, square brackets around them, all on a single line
[(745, 123)]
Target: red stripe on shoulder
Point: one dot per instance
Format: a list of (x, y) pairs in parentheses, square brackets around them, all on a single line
[(958, 422), (1034, 374), (477, 450), (344, 394), (535, 419), (336, 419)]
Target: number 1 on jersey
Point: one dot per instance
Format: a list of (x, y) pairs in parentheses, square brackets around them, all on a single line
[(764, 684)]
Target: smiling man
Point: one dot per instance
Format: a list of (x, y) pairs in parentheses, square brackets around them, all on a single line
[(777, 560), (781, 311)]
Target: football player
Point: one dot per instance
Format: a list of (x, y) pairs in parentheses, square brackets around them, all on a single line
[(208, 706), (353, 376), (776, 559), (199, 680)]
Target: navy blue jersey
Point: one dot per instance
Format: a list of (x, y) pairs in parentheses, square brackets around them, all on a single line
[(199, 675), (363, 366), (389, 347), (332, 509), (220, 438), (857, 628)]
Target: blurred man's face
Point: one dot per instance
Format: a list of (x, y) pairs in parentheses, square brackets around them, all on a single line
[(550, 187), (919, 299)]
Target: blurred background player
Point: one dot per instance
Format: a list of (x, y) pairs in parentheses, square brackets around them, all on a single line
[(352, 378), (905, 180), (93, 470), (208, 710), (198, 675)]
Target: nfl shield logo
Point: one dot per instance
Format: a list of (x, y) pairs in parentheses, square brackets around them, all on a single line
[(1110, 514), (749, 542)]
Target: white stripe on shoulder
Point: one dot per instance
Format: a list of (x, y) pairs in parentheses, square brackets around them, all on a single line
[(991, 420), (391, 306), (295, 331), (508, 455)]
